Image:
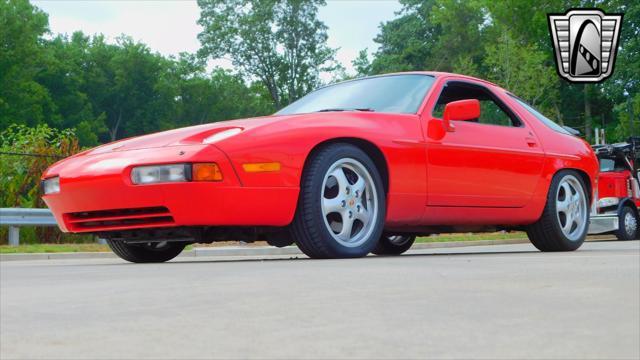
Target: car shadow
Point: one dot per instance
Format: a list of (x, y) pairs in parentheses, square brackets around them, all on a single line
[(257, 259), (227, 259)]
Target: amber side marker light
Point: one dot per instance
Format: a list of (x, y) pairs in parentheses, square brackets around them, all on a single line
[(206, 172), (261, 167)]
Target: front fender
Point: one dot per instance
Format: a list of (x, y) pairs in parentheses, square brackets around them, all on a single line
[(398, 137)]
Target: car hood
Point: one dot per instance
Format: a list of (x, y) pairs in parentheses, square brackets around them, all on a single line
[(191, 135)]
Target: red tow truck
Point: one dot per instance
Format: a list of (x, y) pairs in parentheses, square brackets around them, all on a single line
[(615, 209)]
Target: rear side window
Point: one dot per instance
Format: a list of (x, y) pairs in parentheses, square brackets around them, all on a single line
[(545, 120)]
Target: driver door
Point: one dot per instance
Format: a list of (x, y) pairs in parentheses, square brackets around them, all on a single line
[(493, 161)]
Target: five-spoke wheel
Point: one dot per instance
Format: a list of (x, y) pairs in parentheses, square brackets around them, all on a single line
[(571, 207), (565, 219), (342, 204), (349, 202)]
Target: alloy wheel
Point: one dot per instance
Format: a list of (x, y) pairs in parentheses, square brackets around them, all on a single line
[(571, 208), (349, 202)]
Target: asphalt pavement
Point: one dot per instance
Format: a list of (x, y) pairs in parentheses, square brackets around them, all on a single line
[(506, 301)]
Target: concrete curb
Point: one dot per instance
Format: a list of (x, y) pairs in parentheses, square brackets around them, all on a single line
[(244, 251)]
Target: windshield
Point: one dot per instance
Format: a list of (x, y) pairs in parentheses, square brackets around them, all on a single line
[(550, 123), (391, 94), (607, 165)]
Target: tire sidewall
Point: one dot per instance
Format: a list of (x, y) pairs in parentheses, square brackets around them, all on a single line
[(141, 254), (386, 247), (338, 152), (622, 233), (567, 244)]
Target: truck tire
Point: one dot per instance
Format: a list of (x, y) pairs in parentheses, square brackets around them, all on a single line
[(565, 220), (627, 224), (342, 204)]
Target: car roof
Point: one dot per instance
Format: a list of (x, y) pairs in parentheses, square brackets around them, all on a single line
[(435, 74)]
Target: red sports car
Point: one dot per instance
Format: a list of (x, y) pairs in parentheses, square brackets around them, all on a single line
[(352, 168)]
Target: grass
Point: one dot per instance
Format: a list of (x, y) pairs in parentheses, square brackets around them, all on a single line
[(60, 248), (473, 237), (52, 248)]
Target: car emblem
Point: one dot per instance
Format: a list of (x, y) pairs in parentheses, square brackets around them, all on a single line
[(585, 42)]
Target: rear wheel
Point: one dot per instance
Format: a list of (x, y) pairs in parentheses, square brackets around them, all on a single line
[(146, 252), (628, 224), (564, 221), (394, 244), (341, 207)]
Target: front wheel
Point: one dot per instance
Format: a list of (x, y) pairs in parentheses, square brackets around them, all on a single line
[(564, 222), (341, 208), (147, 252), (627, 224)]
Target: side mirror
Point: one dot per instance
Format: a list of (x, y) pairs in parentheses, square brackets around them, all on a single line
[(461, 110)]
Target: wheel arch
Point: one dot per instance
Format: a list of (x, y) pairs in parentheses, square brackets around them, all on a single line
[(377, 156), (624, 202), (585, 178)]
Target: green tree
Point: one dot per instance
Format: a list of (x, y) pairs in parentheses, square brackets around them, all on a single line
[(629, 123), (22, 99), (623, 89), (280, 43), (523, 69), (20, 178), (508, 43), (134, 103), (437, 35), (407, 42), (220, 95), (65, 79), (362, 64)]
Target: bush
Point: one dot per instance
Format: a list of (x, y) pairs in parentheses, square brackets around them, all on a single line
[(25, 153)]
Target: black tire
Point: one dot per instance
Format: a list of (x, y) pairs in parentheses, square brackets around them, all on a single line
[(624, 233), (546, 234), (308, 227), (146, 253), (394, 244)]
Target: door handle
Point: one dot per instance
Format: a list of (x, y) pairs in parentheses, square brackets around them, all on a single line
[(531, 141)]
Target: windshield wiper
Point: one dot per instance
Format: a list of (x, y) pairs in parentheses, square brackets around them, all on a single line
[(346, 109)]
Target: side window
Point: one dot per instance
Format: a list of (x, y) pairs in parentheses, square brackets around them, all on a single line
[(491, 113), (492, 110)]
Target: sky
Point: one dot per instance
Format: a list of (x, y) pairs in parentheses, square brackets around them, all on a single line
[(169, 26)]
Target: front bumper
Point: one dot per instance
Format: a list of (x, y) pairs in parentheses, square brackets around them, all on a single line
[(96, 194)]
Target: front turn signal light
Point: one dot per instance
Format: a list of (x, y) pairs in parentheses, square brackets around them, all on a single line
[(261, 167), (206, 172)]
